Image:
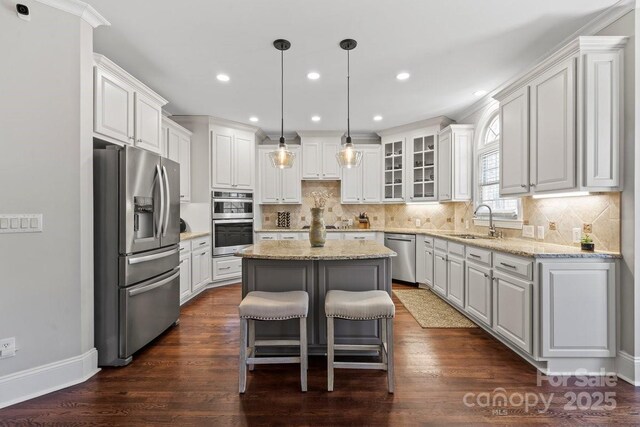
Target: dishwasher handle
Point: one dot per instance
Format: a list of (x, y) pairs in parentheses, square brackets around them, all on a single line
[(398, 240)]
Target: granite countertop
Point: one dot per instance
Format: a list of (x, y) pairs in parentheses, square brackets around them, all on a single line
[(329, 230), (188, 235), (521, 247), (302, 250)]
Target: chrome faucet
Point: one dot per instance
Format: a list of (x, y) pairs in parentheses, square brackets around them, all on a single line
[(492, 229)]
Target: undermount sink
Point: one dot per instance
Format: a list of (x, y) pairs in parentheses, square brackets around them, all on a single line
[(472, 236)]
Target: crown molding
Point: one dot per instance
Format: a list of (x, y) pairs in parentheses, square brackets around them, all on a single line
[(81, 9), (218, 121), (288, 136), (606, 18), (321, 133), (441, 121)]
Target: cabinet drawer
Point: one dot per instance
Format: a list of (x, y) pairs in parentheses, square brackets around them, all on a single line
[(440, 244), (456, 249), (360, 236), (481, 256), (227, 266), (185, 247), (428, 241), (520, 267), (289, 236), (200, 243), (268, 236)]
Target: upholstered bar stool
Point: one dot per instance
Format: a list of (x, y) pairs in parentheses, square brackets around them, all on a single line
[(367, 305), (259, 305)]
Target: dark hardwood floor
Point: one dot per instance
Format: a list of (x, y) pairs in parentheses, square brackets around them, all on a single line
[(189, 376)]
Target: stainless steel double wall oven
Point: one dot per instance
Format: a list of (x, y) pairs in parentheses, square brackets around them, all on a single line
[(232, 221)]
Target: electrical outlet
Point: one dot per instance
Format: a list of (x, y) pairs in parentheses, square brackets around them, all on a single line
[(553, 226), (587, 228), (528, 231), (7, 347), (466, 225), (577, 235), (418, 222), (541, 232)]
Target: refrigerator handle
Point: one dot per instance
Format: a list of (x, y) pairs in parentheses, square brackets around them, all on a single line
[(134, 292), (159, 230), (167, 207)]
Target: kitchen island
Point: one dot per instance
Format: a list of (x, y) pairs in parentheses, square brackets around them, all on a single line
[(290, 265)]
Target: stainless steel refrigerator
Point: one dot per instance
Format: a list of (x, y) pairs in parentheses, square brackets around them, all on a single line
[(137, 231)]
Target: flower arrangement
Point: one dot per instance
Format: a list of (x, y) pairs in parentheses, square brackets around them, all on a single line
[(320, 198), (586, 243)]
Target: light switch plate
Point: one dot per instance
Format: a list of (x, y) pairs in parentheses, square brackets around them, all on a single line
[(7, 347), (20, 223), (576, 234), (541, 232), (528, 231)]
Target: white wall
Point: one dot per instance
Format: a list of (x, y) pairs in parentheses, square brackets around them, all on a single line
[(46, 279)]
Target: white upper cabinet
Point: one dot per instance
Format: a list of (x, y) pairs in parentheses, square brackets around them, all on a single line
[(319, 156), (422, 178), (393, 148), (177, 147), (455, 160), (276, 185), (125, 110), (232, 158), (363, 184), (562, 122), (514, 143)]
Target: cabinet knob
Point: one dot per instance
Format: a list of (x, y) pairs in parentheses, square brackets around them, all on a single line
[(131, 137), (139, 140), (524, 186), (486, 275), (532, 185)]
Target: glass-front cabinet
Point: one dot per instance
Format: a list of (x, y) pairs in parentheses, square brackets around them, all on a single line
[(422, 179), (393, 151)]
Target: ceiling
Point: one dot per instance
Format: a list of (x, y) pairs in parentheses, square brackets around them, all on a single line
[(451, 48)]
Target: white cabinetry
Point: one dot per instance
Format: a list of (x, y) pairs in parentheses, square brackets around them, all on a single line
[(424, 261), (195, 267), (177, 147), (455, 281), (423, 168), (319, 156), (440, 273), (589, 331), (393, 148), (455, 159), (362, 184), (232, 158), (478, 292), (512, 316), (562, 122), (227, 268), (185, 273), (125, 110), (279, 185)]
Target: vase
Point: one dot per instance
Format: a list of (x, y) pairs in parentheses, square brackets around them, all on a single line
[(317, 230)]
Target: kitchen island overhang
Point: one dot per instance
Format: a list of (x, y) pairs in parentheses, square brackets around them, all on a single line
[(285, 265)]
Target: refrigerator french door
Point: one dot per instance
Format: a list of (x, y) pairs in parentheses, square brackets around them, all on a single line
[(137, 230)]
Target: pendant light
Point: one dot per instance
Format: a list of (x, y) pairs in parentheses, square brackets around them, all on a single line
[(348, 157), (282, 158)]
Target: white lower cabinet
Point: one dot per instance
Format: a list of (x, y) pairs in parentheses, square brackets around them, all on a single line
[(589, 331), (424, 261), (195, 267), (440, 273), (512, 315), (478, 289), (225, 268), (455, 281)]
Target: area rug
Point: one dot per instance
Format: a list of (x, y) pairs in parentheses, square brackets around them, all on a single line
[(430, 311)]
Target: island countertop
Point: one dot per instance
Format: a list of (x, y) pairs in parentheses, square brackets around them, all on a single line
[(302, 250)]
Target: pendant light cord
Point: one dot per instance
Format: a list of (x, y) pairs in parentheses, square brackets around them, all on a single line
[(348, 100), (281, 97)]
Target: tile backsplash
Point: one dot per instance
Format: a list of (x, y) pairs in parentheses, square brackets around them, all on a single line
[(601, 211)]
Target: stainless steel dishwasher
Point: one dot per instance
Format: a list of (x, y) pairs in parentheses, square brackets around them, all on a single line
[(403, 266)]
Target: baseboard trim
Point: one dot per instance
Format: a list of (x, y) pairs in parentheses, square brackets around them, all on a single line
[(31, 383), (628, 368)]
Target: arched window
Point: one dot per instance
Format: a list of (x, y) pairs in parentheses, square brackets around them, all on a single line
[(488, 157)]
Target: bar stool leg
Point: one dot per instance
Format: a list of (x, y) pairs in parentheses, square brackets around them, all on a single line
[(390, 371), (243, 356), (252, 341), (383, 342), (330, 355), (303, 353)]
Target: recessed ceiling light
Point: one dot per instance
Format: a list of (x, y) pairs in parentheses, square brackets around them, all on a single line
[(403, 76), (313, 75), (481, 92), (222, 77), (315, 118), (377, 118), (253, 119)]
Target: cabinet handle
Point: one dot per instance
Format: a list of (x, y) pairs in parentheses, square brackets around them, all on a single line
[(224, 268), (202, 243), (139, 140), (181, 261), (509, 265), (131, 137), (524, 186), (486, 275), (475, 256), (532, 185)]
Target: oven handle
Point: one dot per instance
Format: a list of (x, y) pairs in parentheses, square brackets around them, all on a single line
[(232, 221), (233, 200)]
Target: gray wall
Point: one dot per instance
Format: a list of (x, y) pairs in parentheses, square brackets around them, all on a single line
[(46, 283)]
